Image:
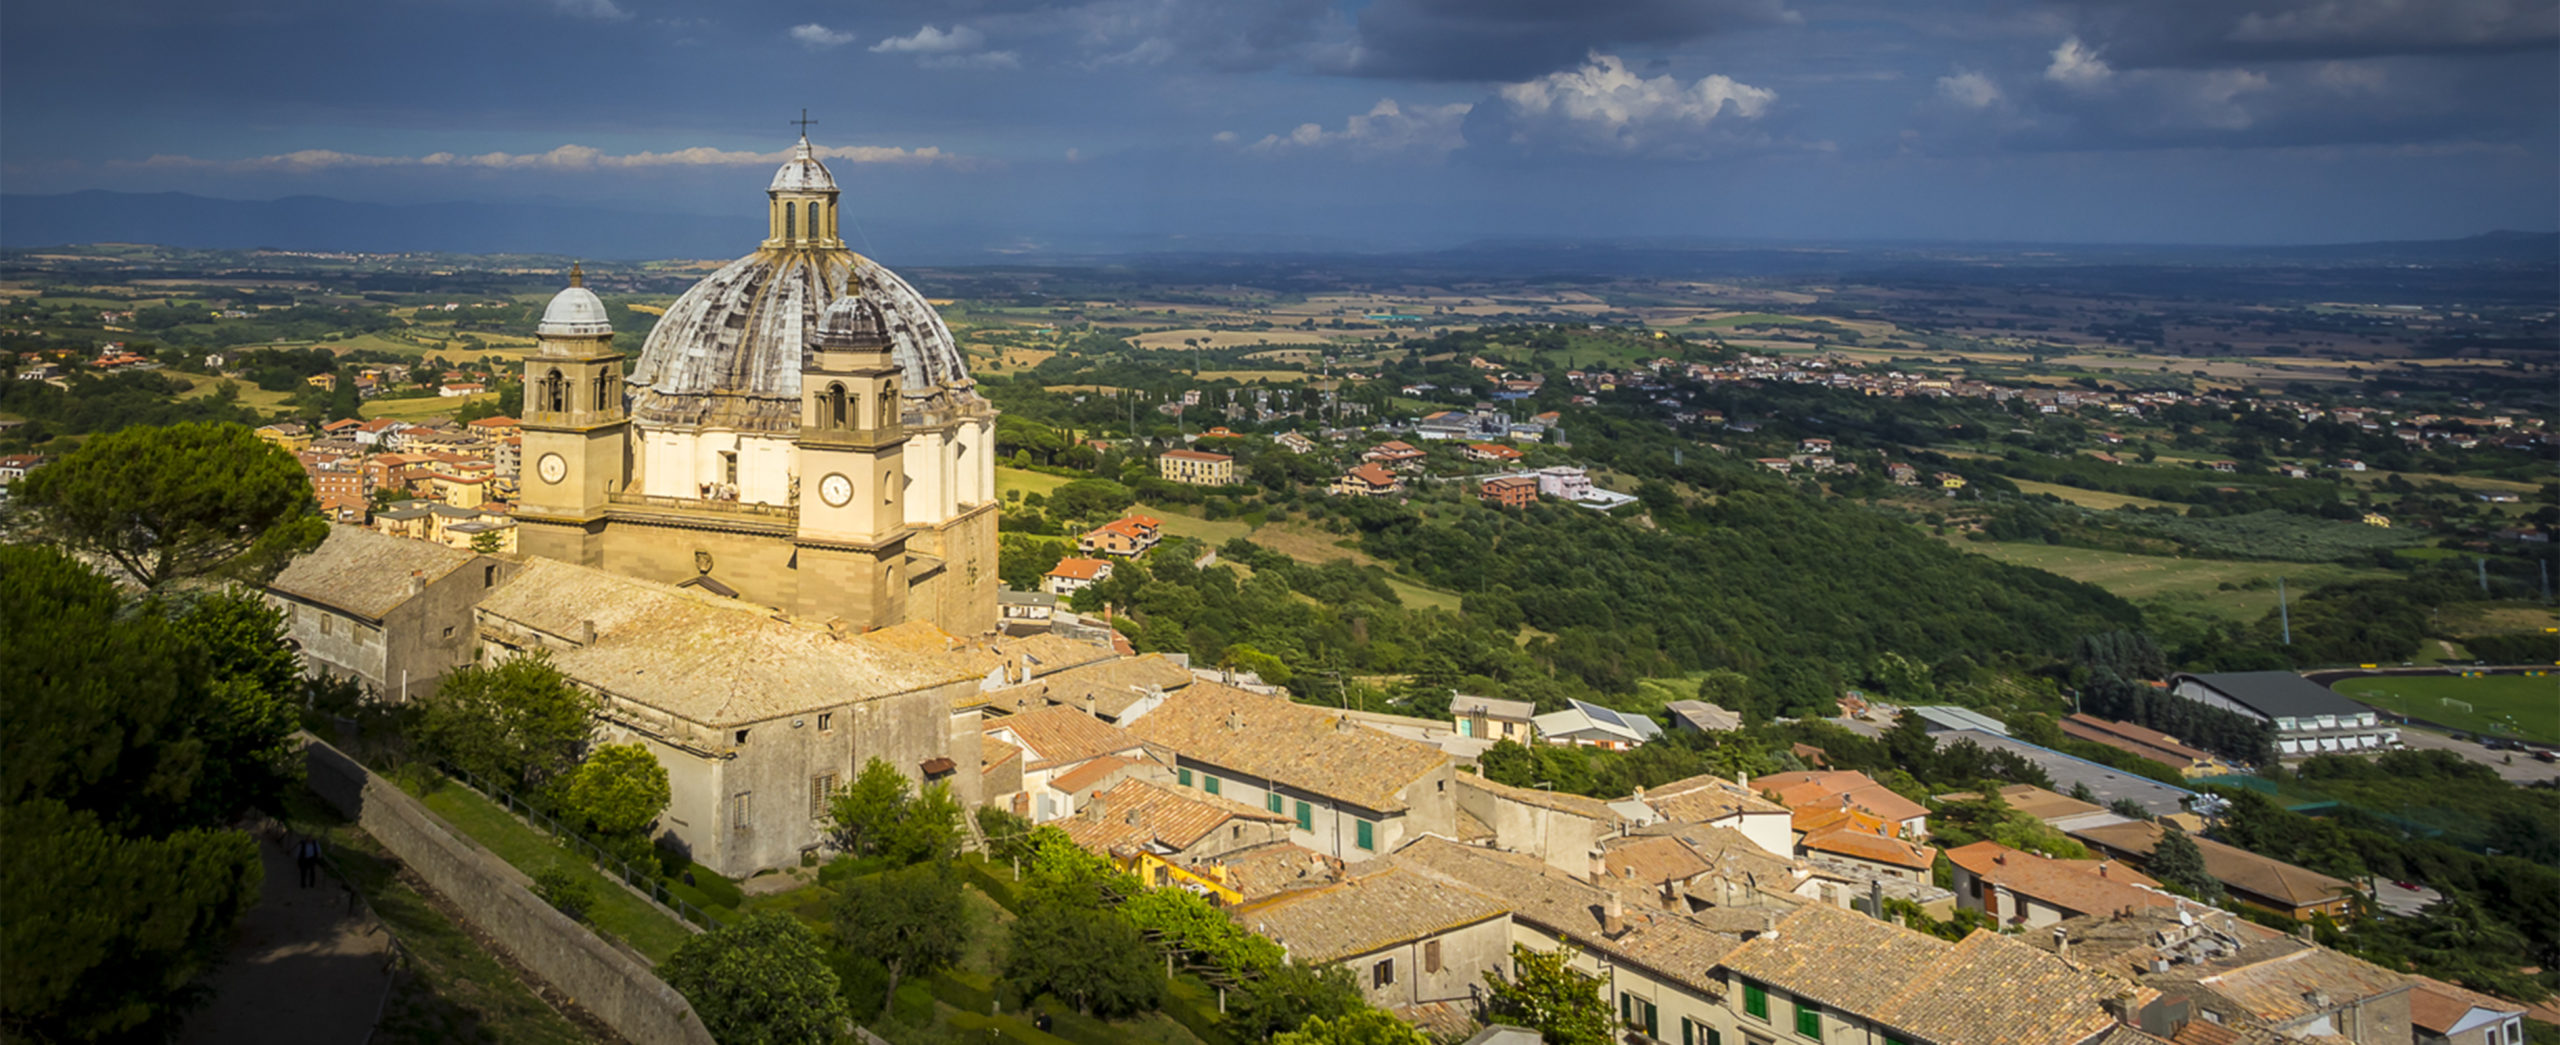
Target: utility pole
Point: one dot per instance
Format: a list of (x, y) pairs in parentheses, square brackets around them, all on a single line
[(2284, 611)]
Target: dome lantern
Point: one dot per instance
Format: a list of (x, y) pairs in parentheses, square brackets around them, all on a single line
[(802, 203)]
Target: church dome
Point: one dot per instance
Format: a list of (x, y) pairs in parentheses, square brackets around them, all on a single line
[(575, 312), (803, 173), (729, 352)]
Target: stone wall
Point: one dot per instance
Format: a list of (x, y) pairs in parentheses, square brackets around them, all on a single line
[(616, 988)]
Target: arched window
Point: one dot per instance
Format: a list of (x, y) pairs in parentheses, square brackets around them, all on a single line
[(813, 219), (555, 392), (790, 219), (605, 398), (888, 405), (888, 487), (836, 405)]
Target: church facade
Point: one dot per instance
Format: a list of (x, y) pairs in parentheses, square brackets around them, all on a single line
[(800, 430)]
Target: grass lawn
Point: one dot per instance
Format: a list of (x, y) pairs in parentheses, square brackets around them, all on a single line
[(1416, 597), (1183, 524), (2197, 581), (618, 913), (2098, 499), (421, 409), (2501, 705), (453, 989), (1042, 483), (251, 396)]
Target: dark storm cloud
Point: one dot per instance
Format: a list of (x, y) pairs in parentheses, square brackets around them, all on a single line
[(1511, 40), (2208, 32)]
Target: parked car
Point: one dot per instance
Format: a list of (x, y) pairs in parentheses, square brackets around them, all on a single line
[(2546, 754)]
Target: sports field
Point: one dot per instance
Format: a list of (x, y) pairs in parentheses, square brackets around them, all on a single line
[(2523, 706)]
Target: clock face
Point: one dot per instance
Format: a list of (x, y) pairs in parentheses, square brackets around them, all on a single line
[(836, 489), (553, 468)]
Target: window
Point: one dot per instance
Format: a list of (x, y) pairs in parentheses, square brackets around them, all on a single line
[(1306, 817), (488, 576), (1364, 834), (329, 625), (1808, 1019), (555, 392), (1431, 956), (1182, 777), (790, 218), (743, 811), (729, 467), (1209, 784), (742, 736), (1383, 974), (1271, 801), (448, 631), (821, 788), (1637, 1013), (1890, 1038), (826, 721), (1693, 1032), (813, 220), (835, 404), (1755, 1000)]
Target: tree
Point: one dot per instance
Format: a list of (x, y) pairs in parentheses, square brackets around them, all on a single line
[(246, 718), (860, 817), (520, 722), (2178, 864), (486, 542), (1290, 994), (1359, 1027), (762, 980), (1090, 956), (927, 829), (911, 920), (166, 503), (619, 791), (1544, 994)]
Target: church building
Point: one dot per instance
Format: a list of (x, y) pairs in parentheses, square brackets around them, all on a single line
[(799, 431)]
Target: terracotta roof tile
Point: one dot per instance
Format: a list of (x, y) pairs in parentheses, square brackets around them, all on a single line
[(2234, 867), (1367, 913), (2065, 884), (1873, 848), (1091, 773), (1301, 746), (1706, 797), (1058, 736), (366, 573), (1140, 812)]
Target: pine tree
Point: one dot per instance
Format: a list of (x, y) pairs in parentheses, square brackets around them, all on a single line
[(2178, 864)]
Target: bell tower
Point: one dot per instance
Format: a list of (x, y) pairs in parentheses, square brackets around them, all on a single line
[(852, 534), (575, 423)]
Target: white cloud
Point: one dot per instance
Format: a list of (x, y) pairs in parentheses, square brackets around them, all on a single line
[(2077, 65), (980, 60), (1224, 137), (1969, 89), (929, 40), (816, 35), (600, 10), (1386, 127), (1603, 108), (566, 157)]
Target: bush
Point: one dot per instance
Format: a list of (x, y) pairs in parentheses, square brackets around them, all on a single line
[(573, 892)]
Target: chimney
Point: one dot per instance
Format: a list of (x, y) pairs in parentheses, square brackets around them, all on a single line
[(1599, 868), (1875, 897), (417, 581), (2000, 858), (1235, 721), (1343, 724), (2061, 942), (1769, 924), (1742, 780), (587, 632), (1639, 795), (2102, 868), (1613, 916), (1093, 809)]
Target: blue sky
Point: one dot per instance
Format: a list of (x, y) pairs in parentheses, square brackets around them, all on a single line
[(1381, 123)]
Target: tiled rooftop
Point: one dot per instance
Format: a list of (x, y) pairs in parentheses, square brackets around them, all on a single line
[(1298, 745), (1060, 736), (1140, 812), (366, 573), (1368, 913)]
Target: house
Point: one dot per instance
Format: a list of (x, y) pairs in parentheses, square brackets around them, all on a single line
[(372, 433), (1562, 830), (1708, 800), (1564, 483), (327, 380), (459, 389), (757, 717), (1509, 491), (1353, 793), (1394, 454), (2308, 719), (2145, 742), (2351, 465), (1294, 442), (16, 466), (2022, 889), (1055, 741), (1126, 538), (393, 614), (1197, 467), (1698, 716), (2377, 519), (1408, 938), (1849, 790), (1813, 446), (289, 436), (1024, 612), (1072, 575), (1115, 689), (2221, 978), (1492, 452), (1444, 425), (1591, 725), (2226, 467), (1367, 480), (2444, 1014), (1941, 718), (1493, 719), (1183, 831), (2262, 882), (1862, 841)]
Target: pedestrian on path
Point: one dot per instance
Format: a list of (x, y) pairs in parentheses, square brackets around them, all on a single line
[(306, 857)]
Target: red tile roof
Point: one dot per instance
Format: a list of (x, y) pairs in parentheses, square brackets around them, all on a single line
[(1079, 569)]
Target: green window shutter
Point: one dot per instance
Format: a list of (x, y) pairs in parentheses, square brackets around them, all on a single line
[(1626, 1007), (1271, 801), (1364, 834), (1306, 817), (1714, 1036), (1755, 1000), (1211, 783), (1688, 1033), (1652, 1020), (1182, 777), (1809, 1019)]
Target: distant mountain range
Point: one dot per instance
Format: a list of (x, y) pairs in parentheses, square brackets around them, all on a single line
[(321, 223)]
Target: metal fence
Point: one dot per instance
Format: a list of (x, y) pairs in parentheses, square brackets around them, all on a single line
[(642, 880)]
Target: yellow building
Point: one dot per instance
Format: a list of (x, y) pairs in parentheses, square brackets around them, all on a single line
[(292, 437), (2377, 519), (1197, 467)]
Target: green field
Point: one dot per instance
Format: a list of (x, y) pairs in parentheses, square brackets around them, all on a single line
[(2501, 705), (2099, 499), (422, 409), (2196, 583), (1042, 483)]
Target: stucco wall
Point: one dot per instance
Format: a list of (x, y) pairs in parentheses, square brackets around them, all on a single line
[(1465, 954), (616, 988), (1563, 840)]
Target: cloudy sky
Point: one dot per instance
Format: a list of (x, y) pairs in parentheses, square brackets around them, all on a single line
[(1311, 122)]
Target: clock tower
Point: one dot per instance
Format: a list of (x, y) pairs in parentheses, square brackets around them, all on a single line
[(574, 426), (852, 534)]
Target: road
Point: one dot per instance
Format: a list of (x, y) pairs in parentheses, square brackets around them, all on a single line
[(2516, 767), (301, 967)]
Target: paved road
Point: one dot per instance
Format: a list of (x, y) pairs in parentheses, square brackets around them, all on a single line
[(300, 968), (2516, 767)]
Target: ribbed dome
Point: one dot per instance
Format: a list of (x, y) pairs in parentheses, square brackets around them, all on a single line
[(803, 173), (853, 320), (575, 312), (729, 352)]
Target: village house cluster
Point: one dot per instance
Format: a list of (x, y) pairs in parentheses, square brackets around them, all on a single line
[(452, 482)]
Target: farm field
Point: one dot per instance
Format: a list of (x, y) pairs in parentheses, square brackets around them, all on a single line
[(2522, 706), (423, 408), (251, 395), (2099, 499), (2193, 581)]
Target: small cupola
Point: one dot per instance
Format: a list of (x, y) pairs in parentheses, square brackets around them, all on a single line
[(802, 202)]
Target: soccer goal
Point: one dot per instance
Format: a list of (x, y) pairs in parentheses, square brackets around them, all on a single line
[(2463, 706)]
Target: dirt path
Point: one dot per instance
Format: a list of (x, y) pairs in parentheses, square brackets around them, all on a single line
[(300, 968)]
